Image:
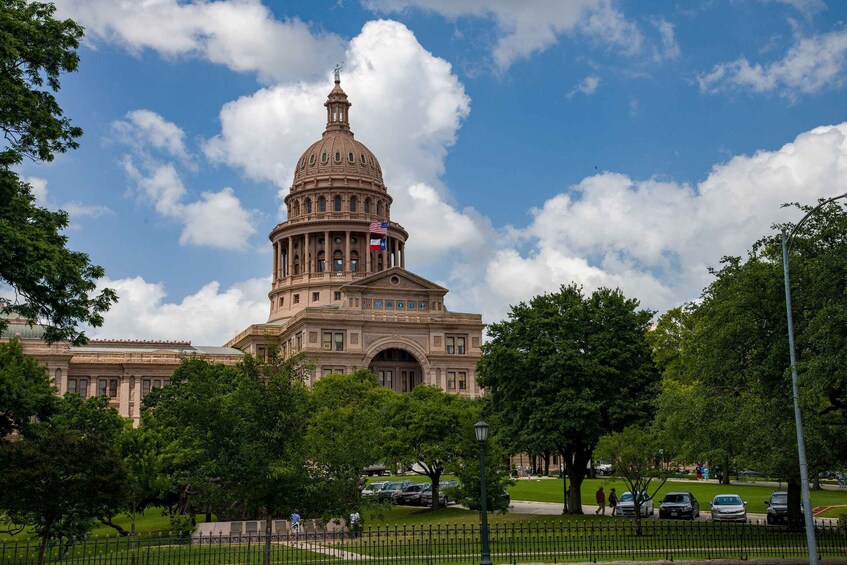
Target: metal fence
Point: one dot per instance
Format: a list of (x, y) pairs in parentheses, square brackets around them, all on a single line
[(521, 542)]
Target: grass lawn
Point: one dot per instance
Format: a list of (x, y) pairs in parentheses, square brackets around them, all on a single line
[(550, 490)]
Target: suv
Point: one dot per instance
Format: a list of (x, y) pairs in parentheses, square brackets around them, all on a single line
[(391, 491), (778, 508), (412, 494)]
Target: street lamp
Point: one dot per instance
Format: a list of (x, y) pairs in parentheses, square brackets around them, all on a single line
[(481, 430), (798, 421)]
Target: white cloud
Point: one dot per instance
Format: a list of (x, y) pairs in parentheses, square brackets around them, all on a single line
[(210, 316), (242, 34), (669, 48), (38, 186), (216, 220), (654, 239), (74, 209), (407, 108), (528, 27), (587, 86), (812, 64)]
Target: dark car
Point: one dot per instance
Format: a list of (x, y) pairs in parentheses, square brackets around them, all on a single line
[(680, 505), (777, 508), (412, 494), (392, 490)]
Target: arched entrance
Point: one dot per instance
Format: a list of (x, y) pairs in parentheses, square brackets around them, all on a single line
[(397, 369)]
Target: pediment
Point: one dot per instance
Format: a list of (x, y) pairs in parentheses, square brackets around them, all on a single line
[(395, 279)]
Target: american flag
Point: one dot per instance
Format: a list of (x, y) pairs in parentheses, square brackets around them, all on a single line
[(379, 227)]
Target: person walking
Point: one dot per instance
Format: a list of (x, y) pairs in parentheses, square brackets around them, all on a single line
[(613, 500), (295, 524), (355, 524), (600, 496)]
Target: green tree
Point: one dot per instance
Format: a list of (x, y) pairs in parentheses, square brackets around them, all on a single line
[(52, 285), (566, 369), (634, 454), (25, 390), (427, 426), (347, 431), (53, 477)]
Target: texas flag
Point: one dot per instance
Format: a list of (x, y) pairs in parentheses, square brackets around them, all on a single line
[(377, 244)]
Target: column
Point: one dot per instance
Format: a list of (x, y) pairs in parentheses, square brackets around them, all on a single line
[(368, 254), (347, 253), (403, 255), (276, 261), (327, 254), (289, 270)]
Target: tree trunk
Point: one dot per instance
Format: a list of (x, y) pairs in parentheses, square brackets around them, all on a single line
[(435, 477), (547, 464), (42, 546), (108, 522), (725, 471), (575, 499), (266, 558), (637, 506), (795, 517)]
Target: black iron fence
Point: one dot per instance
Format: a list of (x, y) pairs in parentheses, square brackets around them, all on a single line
[(520, 542)]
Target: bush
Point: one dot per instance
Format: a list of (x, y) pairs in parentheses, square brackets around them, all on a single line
[(182, 526)]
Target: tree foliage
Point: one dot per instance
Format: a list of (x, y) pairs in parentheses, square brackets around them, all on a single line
[(26, 392), (566, 369), (52, 285)]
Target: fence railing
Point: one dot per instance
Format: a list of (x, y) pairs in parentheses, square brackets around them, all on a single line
[(521, 542)]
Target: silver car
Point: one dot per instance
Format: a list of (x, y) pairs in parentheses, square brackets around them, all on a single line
[(729, 508), (626, 505)]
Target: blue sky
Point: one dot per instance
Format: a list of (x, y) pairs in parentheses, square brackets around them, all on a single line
[(526, 144)]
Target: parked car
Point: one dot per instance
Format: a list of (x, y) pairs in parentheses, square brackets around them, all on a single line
[(373, 488), (626, 505), (412, 494), (681, 505), (392, 490), (748, 474), (603, 469), (728, 508), (777, 508)]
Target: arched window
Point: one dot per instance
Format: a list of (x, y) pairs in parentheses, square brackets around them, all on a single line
[(321, 262), (351, 157), (324, 158), (338, 156), (311, 159), (308, 205), (321, 204), (354, 261), (336, 203), (379, 207), (379, 262), (353, 203), (296, 264), (367, 205), (337, 261)]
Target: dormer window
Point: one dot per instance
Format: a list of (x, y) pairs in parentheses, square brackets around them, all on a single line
[(324, 158), (351, 157), (338, 156), (362, 159), (311, 159)]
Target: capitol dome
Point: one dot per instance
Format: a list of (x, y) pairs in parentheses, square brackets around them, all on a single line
[(337, 153)]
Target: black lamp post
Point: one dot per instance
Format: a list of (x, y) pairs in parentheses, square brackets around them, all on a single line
[(481, 429)]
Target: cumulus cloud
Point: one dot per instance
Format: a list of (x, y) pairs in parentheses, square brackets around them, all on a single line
[(812, 63), (525, 28), (407, 108), (587, 86), (242, 34), (668, 47), (216, 220), (210, 316), (654, 239)]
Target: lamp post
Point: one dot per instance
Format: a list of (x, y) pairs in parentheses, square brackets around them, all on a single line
[(798, 421), (481, 430)]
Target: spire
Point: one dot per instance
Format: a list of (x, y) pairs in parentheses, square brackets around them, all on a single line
[(337, 106)]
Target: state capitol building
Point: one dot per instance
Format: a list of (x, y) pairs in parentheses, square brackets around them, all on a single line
[(340, 293)]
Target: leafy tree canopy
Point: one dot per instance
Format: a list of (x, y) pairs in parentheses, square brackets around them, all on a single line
[(51, 284), (25, 389)]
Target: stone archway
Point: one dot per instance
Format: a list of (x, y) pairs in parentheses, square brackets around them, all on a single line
[(398, 365)]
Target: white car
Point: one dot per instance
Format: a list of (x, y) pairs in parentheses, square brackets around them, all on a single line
[(729, 508), (626, 505), (374, 488)]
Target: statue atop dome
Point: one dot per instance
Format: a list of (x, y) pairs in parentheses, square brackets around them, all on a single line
[(337, 71)]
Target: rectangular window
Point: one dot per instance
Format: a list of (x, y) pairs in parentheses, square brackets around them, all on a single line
[(460, 345), (454, 344), (296, 299), (113, 388), (386, 379), (145, 387), (72, 385), (332, 371), (262, 354), (83, 388), (299, 341), (326, 341), (316, 297), (281, 301), (339, 341), (338, 295), (102, 385), (451, 380), (450, 345), (462, 380)]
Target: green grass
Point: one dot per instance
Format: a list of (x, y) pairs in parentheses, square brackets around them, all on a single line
[(550, 490)]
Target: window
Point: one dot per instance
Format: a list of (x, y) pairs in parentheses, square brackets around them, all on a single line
[(296, 299), (351, 157), (321, 262), (400, 304), (412, 304), (451, 380), (332, 371), (460, 345), (281, 301), (450, 345), (389, 305), (353, 203), (337, 261), (377, 303), (338, 295), (379, 207), (336, 203), (262, 354), (78, 386), (386, 379), (321, 204), (316, 297), (332, 341), (299, 341), (107, 387), (362, 159), (367, 205), (311, 159), (149, 384), (422, 306), (324, 158), (308, 205), (455, 345), (338, 156), (462, 380)]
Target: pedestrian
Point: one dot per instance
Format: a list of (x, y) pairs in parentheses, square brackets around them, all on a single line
[(520, 471), (295, 524), (600, 496), (355, 524), (613, 500), (840, 478), (699, 472)]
